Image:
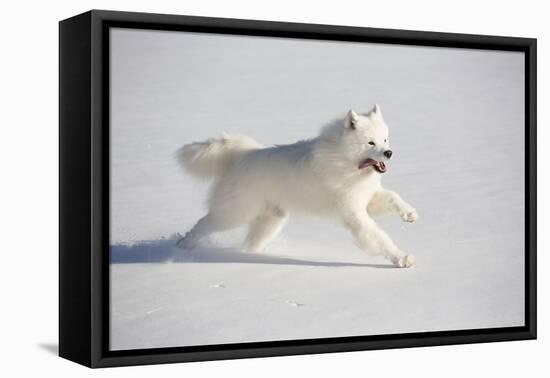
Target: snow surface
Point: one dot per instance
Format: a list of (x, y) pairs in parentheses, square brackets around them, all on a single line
[(456, 127)]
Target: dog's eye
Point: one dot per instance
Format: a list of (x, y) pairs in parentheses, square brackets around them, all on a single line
[(385, 140), (372, 143)]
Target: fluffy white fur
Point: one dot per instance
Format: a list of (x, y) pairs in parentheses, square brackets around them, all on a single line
[(260, 186)]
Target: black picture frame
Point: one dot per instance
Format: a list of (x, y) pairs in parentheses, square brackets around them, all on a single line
[(84, 188)]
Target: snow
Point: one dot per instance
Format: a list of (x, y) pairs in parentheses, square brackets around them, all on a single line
[(456, 127)]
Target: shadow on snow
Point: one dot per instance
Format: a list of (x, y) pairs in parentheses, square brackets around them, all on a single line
[(165, 250)]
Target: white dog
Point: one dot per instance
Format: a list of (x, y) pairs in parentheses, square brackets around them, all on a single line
[(337, 174)]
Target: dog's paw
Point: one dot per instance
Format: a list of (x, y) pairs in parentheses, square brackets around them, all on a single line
[(411, 215), (405, 261)]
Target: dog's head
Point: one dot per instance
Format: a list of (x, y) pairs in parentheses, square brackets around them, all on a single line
[(365, 137)]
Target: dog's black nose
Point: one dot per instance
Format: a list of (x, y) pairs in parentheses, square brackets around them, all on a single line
[(388, 153)]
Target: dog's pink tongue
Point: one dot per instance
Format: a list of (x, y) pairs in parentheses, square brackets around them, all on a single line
[(379, 166), (367, 163)]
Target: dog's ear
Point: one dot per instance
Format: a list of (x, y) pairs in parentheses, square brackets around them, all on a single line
[(351, 120), (375, 111)]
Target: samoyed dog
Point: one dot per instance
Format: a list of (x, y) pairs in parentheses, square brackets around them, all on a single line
[(337, 174)]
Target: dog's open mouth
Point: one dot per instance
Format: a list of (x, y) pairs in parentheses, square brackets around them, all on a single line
[(379, 166)]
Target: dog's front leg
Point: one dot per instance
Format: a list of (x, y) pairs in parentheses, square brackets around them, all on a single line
[(371, 238), (387, 201)]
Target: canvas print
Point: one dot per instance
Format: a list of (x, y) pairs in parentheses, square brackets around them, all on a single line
[(267, 189)]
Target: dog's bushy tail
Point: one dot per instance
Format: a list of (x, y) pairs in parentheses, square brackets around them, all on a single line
[(211, 158)]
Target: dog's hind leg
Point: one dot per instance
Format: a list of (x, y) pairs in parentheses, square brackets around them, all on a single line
[(372, 239), (264, 228), (210, 223)]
